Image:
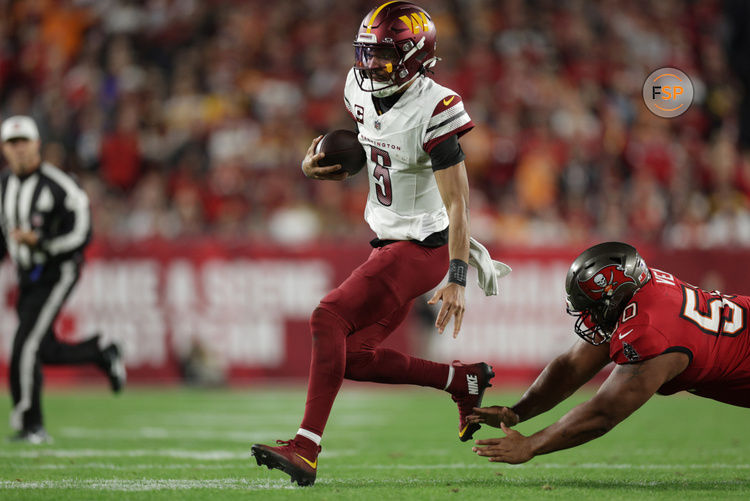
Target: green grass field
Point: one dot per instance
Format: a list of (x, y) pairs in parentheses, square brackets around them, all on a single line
[(380, 444)]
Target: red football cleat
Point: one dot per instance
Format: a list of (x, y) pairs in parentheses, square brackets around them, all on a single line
[(298, 458), (467, 390)]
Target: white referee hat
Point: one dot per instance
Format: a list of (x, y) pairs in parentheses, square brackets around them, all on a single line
[(19, 127)]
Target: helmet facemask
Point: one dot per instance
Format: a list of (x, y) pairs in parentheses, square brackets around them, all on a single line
[(591, 325), (377, 67), (381, 68)]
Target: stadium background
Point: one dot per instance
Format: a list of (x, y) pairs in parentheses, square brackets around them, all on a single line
[(186, 122)]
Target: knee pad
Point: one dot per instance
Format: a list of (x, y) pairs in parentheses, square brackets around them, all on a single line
[(357, 363), (324, 323)]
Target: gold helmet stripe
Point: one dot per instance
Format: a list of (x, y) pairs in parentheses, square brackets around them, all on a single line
[(375, 14)]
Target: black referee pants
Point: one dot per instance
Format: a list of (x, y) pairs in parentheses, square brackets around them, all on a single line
[(35, 344)]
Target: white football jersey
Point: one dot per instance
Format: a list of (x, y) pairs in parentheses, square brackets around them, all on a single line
[(404, 202)]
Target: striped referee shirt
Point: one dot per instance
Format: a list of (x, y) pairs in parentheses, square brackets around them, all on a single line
[(49, 202)]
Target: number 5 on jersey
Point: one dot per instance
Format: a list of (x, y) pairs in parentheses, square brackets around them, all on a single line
[(382, 175), (723, 314)]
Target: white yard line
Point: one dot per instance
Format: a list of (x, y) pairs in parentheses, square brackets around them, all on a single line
[(131, 466), (169, 433), (227, 483), (208, 455), (150, 484), (607, 466), (549, 466), (244, 457), (159, 433)]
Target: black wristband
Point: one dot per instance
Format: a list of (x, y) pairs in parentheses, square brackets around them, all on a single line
[(457, 272)]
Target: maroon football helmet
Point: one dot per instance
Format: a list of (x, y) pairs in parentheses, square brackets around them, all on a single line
[(395, 44)]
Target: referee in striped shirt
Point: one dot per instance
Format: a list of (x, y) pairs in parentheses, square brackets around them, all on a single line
[(46, 224)]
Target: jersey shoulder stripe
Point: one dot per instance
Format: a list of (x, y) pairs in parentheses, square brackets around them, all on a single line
[(448, 120), (446, 103), (449, 106), (449, 117), (457, 127)]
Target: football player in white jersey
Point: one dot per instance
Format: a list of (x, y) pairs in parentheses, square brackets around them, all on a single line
[(418, 208)]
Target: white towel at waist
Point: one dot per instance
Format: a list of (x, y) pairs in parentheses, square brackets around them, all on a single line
[(488, 270)]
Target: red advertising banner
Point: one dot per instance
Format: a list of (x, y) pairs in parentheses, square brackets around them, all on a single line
[(212, 312)]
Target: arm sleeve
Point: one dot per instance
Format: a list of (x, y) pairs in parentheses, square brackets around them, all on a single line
[(446, 153), (636, 343)]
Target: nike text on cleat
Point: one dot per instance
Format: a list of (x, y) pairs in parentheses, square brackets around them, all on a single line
[(292, 457), (478, 378)]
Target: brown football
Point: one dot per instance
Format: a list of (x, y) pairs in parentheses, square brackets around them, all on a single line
[(342, 147)]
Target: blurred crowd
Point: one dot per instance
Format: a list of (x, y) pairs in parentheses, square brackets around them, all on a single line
[(185, 117)]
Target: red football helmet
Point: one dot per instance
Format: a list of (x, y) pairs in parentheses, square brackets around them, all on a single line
[(600, 283), (395, 44)]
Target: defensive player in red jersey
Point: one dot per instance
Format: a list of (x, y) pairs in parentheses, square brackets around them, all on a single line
[(417, 206), (665, 336)]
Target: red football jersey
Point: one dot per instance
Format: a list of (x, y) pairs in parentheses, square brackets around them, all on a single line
[(668, 315)]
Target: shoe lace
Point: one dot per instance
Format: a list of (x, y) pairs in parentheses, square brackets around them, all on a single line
[(284, 442)]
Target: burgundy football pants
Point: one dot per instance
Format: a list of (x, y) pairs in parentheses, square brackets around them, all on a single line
[(352, 321)]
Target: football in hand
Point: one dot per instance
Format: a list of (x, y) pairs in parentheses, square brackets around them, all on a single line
[(342, 147)]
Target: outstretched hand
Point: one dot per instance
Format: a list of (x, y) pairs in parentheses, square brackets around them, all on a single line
[(454, 304), (514, 448), (311, 168), (493, 416)]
